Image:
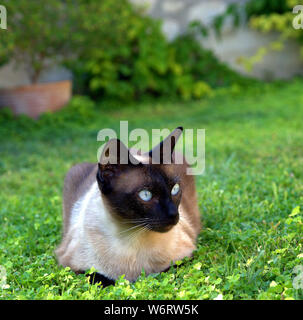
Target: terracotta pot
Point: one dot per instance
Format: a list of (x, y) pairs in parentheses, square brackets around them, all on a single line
[(35, 99)]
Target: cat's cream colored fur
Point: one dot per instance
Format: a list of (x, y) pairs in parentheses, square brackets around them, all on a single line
[(92, 238)]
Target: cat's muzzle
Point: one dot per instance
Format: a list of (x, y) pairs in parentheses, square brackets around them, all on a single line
[(164, 225)]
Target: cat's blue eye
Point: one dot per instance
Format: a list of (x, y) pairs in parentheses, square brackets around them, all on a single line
[(175, 189), (145, 195)]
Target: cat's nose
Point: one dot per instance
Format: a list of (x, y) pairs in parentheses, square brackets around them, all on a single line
[(172, 211)]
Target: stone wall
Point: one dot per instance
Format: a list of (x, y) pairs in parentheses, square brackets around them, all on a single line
[(176, 15)]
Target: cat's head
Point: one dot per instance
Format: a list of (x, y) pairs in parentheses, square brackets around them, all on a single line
[(136, 190)]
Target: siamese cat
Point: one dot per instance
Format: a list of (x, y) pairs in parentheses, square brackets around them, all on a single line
[(124, 216)]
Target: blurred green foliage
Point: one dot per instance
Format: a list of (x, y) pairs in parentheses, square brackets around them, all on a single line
[(265, 16), (251, 8), (141, 61), (281, 22), (37, 34), (114, 50), (59, 31), (260, 7)]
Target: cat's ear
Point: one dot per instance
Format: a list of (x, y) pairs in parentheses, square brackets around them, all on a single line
[(162, 153), (115, 158), (116, 153)]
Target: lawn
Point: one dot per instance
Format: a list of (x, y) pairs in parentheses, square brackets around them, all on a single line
[(249, 196)]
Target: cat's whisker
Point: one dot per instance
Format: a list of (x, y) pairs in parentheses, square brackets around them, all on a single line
[(148, 227), (126, 221), (144, 228), (135, 234), (131, 228)]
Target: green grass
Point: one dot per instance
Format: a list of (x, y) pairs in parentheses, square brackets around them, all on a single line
[(249, 245)]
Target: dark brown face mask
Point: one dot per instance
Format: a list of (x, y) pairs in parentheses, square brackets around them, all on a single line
[(146, 193)]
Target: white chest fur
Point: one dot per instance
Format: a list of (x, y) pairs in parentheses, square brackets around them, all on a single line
[(94, 239)]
